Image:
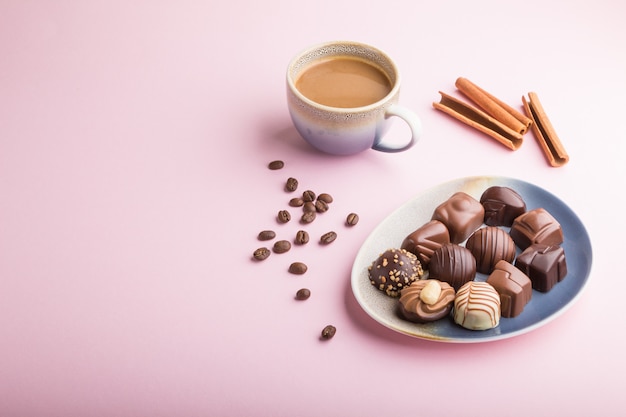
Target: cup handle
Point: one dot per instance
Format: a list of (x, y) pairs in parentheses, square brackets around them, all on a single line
[(410, 118)]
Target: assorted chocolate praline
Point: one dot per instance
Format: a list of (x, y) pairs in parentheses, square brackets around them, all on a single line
[(466, 236)]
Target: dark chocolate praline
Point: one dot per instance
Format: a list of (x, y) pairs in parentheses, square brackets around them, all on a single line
[(394, 270), (502, 205), (453, 264)]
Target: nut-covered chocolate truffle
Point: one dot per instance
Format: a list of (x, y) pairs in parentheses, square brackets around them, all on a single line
[(545, 265), (502, 205), (453, 264), (477, 306), (536, 226), (514, 287), (489, 245), (462, 214), (425, 240), (394, 270), (426, 300)]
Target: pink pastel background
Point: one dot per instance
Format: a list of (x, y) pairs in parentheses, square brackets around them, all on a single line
[(134, 142)]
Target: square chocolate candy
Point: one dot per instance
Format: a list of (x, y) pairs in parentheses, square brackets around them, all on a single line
[(536, 226), (462, 214), (545, 265), (514, 287), (425, 240)]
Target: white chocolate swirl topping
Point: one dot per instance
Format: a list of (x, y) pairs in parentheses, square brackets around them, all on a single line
[(477, 306)]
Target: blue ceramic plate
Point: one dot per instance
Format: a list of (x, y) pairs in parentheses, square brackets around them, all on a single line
[(542, 308)]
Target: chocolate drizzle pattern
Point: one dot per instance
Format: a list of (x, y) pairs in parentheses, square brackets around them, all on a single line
[(453, 264), (477, 306), (489, 245)]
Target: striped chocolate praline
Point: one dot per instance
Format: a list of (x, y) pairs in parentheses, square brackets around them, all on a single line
[(477, 306), (453, 264), (489, 245)]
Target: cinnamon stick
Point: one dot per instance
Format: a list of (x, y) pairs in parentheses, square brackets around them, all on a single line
[(479, 120), (494, 106), (544, 132)]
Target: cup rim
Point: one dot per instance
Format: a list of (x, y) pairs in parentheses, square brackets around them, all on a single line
[(343, 110)]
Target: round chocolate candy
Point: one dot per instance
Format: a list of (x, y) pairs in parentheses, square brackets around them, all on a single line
[(453, 264), (416, 307), (393, 270), (489, 245), (477, 306)]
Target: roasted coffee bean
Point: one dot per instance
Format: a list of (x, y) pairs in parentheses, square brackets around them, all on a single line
[(282, 246), (328, 238), (296, 202), (267, 235), (303, 294), (321, 206), (308, 195), (308, 217), (274, 165), (302, 237), (261, 253), (352, 219), (309, 206), (283, 216), (291, 185), (325, 197), (298, 268), (328, 332)]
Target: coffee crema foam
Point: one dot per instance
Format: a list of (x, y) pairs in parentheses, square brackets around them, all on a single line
[(344, 82)]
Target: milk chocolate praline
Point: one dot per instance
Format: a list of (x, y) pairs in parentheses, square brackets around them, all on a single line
[(514, 287), (536, 227), (489, 245), (453, 264), (545, 265), (393, 270), (502, 205), (425, 240), (414, 309), (462, 214)]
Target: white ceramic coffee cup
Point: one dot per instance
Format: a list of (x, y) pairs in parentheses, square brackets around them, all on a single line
[(345, 131)]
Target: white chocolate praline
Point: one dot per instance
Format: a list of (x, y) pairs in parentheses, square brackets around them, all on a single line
[(477, 306)]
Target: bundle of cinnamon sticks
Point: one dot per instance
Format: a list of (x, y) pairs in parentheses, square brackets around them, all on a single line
[(503, 122)]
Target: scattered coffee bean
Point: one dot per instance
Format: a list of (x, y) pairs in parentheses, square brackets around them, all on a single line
[(352, 219), (308, 207), (291, 185), (328, 238), (303, 294), (302, 237), (298, 268), (261, 253), (282, 246), (283, 216), (274, 165), (266, 235), (325, 197), (308, 217), (328, 332), (296, 202), (321, 206), (308, 195)]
